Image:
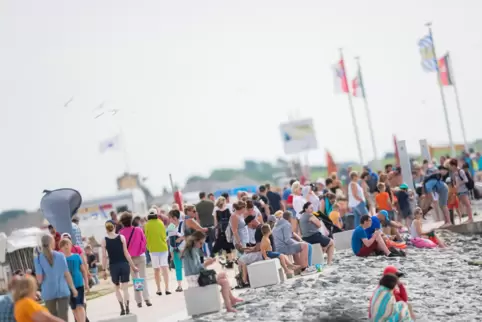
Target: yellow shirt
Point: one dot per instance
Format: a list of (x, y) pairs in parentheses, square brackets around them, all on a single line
[(26, 308), (156, 236), (336, 219)]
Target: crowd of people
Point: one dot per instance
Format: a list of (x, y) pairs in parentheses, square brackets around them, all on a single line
[(379, 207)]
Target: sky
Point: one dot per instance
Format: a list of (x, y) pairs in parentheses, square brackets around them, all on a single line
[(205, 84)]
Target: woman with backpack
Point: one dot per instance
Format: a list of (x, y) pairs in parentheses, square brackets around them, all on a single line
[(462, 181), (136, 246), (221, 222)]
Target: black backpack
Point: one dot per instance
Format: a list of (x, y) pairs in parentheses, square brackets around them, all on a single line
[(469, 184), (224, 217)]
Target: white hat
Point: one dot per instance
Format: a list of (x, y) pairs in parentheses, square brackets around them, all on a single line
[(320, 181)]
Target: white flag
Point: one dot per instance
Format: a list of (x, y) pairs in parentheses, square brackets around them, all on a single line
[(111, 143)]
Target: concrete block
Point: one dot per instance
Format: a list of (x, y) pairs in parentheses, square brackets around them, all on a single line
[(343, 239), (317, 255), (264, 273), (123, 318), (202, 300)]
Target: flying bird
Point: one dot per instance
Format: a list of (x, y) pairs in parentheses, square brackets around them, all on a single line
[(68, 102)]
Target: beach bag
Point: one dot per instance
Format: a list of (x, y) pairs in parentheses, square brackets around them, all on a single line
[(423, 243), (138, 283), (207, 277)]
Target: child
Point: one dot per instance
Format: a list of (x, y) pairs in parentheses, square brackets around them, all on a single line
[(335, 216), (79, 275), (267, 251), (420, 238), (26, 307), (383, 200), (453, 203), (404, 204), (92, 262)]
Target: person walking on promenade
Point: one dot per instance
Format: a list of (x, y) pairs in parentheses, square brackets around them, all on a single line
[(136, 246)]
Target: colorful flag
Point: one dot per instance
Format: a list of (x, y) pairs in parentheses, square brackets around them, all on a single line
[(357, 85), (341, 82), (109, 144), (397, 156), (444, 67), (330, 164), (429, 61)]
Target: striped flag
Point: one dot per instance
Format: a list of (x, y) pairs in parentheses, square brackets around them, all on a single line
[(429, 61), (341, 82), (445, 73), (357, 85)]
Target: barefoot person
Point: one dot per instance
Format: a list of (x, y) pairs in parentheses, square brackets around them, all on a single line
[(191, 261), (114, 247), (267, 251)]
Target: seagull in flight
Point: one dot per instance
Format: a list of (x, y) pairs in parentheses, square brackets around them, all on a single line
[(66, 104)]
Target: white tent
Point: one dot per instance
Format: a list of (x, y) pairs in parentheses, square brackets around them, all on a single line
[(24, 238)]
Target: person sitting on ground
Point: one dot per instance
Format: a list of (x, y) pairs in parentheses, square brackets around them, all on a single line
[(26, 307), (310, 231), (362, 246), (191, 261), (268, 253), (420, 238), (389, 227), (383, 304), (289, 243)]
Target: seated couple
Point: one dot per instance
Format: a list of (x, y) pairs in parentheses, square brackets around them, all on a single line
[(258, 253), (364, 246)]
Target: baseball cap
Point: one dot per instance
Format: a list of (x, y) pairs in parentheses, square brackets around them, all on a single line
[(392, 270), (320, 181), (66, 235), (403, 186), (385, 214)]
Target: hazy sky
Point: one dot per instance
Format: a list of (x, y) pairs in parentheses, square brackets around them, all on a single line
[(205, 84)]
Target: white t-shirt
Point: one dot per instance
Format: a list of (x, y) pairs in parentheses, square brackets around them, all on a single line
[(298, 203)]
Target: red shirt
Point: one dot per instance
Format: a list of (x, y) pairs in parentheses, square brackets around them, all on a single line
[(76, 250), (289, 200), (57, 238)]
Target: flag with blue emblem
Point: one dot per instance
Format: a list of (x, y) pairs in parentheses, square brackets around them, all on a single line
[(429, 61)]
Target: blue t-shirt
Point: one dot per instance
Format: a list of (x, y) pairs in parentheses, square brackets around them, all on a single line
[(54, 285), (403, 200), (356, 239), (375, 225), (74, 262), (286, 194)]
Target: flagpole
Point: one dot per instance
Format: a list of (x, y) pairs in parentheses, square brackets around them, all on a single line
[(367, 110), (457, 101), (352, 110), (442, 95)]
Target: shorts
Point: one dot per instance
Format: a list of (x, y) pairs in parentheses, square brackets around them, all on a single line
[(250, 258), (465, 193), (273, 255), (366, 251), (406, 213), (318, 238), (120, 272), (79, 300), (443, 196), (290, 249), (160, 259)]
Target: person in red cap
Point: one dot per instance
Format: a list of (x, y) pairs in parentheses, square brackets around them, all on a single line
[(399, 292)]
